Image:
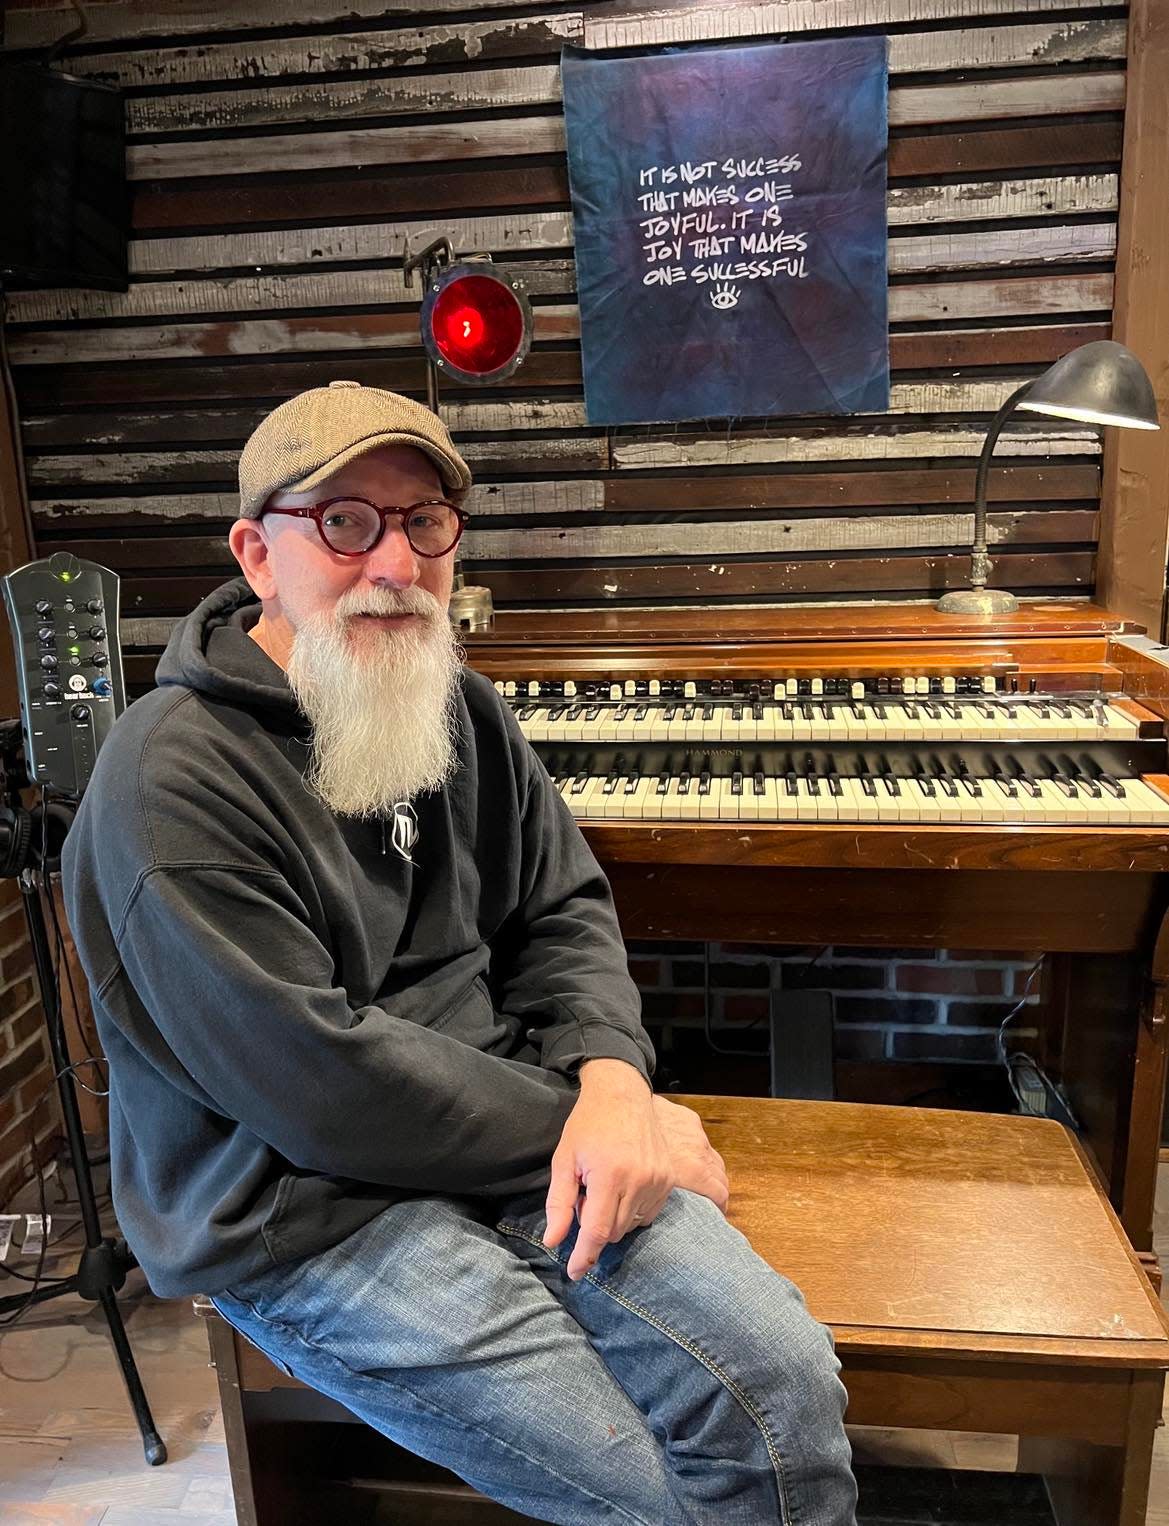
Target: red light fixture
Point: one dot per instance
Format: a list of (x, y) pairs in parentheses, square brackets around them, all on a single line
[(476, 326)]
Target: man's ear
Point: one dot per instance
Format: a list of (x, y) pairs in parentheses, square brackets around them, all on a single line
[(249, 546)]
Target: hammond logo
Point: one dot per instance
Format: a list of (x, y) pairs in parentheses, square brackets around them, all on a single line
[(405, 830)]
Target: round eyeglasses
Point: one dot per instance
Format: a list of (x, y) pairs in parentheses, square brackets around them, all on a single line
[(353, 526)]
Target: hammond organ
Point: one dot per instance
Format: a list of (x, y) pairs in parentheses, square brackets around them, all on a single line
[(886, 776)]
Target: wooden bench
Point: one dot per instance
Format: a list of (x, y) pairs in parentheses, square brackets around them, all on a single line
[(973, 1274)]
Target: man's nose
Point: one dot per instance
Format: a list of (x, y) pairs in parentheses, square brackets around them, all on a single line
[(392, 562)]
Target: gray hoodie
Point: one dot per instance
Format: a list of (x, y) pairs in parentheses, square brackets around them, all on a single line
[(302, 1025)]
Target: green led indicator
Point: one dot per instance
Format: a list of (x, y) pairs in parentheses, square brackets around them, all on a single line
[(75, 651), (65, 576)]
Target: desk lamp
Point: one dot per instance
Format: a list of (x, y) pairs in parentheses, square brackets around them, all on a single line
[(1100, 383)]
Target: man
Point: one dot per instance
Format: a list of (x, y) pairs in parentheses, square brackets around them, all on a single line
[(378, 1078)]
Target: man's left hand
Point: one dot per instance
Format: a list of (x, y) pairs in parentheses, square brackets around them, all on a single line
[(613, 1148)]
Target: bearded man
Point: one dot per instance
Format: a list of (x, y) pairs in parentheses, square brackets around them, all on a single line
[(378, 1080)]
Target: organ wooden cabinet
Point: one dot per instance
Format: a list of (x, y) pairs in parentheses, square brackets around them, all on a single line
[(892, 777)]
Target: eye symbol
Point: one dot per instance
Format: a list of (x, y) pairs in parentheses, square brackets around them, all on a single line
[(725, 296)]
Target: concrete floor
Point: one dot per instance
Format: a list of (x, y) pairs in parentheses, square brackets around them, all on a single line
[(70, 1455)]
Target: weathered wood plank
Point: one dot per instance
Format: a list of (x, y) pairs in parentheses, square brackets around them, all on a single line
[(627, 26), (176, 206), (525, 454), (908, 303), (54, 386), (770, 537), (540, 230), (832, 577), (399, 330), (111, 21), (404, 47), (895, 445), (692, 493), (1048, 44), (909, 106)]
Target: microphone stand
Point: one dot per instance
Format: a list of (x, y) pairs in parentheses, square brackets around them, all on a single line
[(104, 1261)]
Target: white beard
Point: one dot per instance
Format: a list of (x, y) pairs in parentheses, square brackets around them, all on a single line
[(381, 701)]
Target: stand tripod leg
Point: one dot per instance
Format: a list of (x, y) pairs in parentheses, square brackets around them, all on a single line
[(103, 1263), (152, 1442)]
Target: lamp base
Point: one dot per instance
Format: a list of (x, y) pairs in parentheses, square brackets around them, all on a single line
[(977, 601)]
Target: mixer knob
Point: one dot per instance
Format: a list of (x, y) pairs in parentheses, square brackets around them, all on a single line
[(79, 712), (94, 606), (52, 690), (46, 633), (102, 685), (99, 659), (48, 660), (43, 607), (97, 632)]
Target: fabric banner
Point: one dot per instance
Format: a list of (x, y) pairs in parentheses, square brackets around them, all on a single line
[(729, 208)]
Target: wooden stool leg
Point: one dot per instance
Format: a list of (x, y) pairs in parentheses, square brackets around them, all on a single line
[(1094, 1485)]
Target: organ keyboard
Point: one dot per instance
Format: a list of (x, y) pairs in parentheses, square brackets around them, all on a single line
[(915, 749), (887, 777)]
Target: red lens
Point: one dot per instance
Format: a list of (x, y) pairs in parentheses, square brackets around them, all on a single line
[(477, 324)]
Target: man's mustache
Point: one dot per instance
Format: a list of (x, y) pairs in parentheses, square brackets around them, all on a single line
[(405, 601)]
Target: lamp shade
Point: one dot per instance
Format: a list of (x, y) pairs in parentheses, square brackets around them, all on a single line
[(1100, 383)]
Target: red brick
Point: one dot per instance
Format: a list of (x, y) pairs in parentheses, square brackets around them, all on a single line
[(18, 1067), (24, 1026), (889, 1010), (670, 1006), (859, 1043), (646, 972), (746, 1009), (951, 979), (989, 1014), (943, 1046)]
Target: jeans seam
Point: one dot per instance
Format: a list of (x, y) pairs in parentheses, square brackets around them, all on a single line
[(724, 1377), (436, 1409)]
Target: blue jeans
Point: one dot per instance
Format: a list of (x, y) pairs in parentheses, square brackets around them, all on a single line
[(681, 1381)]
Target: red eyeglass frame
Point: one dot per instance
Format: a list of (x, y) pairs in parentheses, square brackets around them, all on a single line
[(316, 512)]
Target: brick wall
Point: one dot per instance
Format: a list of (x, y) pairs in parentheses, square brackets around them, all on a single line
[(908, 1004), (25, 1069)]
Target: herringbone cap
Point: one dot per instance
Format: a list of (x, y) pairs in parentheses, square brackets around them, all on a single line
[(305, 440)]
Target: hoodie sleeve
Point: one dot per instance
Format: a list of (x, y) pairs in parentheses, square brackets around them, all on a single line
[(559, 962), (223, 979)]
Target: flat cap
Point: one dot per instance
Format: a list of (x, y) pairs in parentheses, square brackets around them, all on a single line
[(305, 440)]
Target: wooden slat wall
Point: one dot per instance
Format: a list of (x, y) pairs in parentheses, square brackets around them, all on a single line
[(278, 172)]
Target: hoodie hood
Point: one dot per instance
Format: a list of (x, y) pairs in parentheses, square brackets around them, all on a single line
[(211, 652)]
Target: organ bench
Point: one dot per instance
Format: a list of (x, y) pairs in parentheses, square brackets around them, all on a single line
[(973, 1274)]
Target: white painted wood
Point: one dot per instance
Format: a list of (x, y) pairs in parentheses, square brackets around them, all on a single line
[(254, 336), (505, 233), (495, 498), (857, 444), (121, 20), (355, 147), (338, 100), (770, 537), (1009, 297), (252, 58), (928, 105), (884, 446), (1048, 44), (139, 632), (697, 23), (350, 148), (1002, 246), (496, 234), (262, 293)]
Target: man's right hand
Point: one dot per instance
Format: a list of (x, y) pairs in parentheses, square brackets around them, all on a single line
[(698, 1166)]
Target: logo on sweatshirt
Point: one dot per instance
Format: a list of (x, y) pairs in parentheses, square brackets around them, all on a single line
[(405, 830)]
